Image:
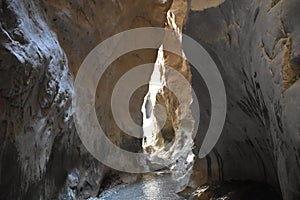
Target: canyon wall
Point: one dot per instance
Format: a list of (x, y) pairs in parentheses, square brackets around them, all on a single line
[(43, 43), (256, 47)]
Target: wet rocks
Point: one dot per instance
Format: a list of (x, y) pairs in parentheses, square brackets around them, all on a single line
[(235, 190)]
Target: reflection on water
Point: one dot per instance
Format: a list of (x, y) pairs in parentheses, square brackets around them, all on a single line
[(150, 188)]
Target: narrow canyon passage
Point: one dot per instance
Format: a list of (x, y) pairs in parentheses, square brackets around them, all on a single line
[(160, 99)]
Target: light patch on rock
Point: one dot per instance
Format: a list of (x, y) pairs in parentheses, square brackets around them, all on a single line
[(200, 5)]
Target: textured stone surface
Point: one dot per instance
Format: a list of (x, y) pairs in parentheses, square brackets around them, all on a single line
[(254, 43), (42, 43), (199, 5), (256, 47), (173, 140), (235, 190), (81, 26), (35, 97)]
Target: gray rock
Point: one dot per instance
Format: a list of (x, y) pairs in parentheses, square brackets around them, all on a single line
[(254, 43)]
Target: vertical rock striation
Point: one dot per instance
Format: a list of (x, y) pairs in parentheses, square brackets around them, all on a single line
[(42, 44), (256, 47), (35, 92)]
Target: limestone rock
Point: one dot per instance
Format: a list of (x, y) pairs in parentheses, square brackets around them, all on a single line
[(43, 43), (256, 45)]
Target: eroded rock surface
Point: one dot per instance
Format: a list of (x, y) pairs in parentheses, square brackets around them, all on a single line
[(256, 45), (235, 190), (35, 98), (43, 43)]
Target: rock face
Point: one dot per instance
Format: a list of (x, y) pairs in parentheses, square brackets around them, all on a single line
[(43, 44), (235, 190), (35, 98), (81, 26), (256, 47)]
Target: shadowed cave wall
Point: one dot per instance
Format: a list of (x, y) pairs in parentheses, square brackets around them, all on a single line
[(254, 43)]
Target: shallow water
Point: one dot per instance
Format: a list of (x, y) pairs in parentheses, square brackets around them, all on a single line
[(149, 188)]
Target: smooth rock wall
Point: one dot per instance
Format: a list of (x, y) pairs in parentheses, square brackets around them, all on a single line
[(256, 47)]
